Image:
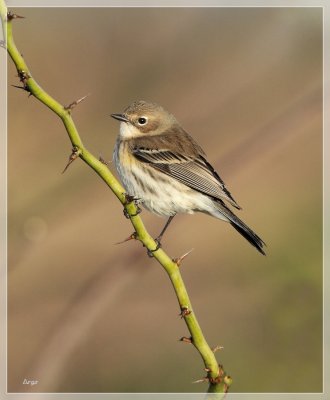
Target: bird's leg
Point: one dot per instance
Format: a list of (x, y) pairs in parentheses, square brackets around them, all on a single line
[(159, 237)]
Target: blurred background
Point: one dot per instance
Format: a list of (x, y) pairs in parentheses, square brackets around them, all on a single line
[(86, 315)]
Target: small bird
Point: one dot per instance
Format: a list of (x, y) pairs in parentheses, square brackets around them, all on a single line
[(160, 164)]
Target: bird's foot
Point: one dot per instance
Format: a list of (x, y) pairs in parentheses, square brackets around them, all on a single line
[(132, 199), (158, 246), (128, 215)]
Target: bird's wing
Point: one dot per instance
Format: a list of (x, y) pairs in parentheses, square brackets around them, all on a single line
[(192, 170)]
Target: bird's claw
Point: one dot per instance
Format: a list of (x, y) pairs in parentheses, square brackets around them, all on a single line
[(158, 246), (130, 199), (128, 215)]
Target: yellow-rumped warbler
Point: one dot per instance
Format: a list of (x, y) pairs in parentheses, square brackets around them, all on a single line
[(159, 163)]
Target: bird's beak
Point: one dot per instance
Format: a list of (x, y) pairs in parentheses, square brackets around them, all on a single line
[(120, 117)]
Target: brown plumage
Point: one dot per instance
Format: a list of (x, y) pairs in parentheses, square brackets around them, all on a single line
[(159, 162)]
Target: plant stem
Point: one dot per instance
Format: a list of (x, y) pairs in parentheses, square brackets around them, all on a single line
[(218, 381)]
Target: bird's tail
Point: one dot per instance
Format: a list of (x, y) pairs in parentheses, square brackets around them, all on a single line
[(240, 226)]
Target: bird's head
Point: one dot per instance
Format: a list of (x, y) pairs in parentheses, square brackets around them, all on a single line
[(144, 119)]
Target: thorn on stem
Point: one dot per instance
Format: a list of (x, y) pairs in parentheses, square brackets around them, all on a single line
[(103, 161), (21, 87), (72, 105), (3, 44), (11, 16), (184, 311), (23, 77), (201, 380), (74, 155), (130, 237), (215, 381), (180, 259), (218, 379), (186, 339), (216, 348)]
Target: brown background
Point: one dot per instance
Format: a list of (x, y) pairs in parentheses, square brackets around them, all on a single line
[(86, 315)]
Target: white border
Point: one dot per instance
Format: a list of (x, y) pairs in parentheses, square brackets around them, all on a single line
[(3, 212), (326, 197)]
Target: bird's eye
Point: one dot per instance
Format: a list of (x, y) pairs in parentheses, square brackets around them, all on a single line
[(142, 120)]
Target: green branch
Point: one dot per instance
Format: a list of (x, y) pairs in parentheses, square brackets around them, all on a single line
[(218, 381)]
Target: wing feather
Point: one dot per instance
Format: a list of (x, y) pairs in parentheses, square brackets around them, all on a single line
[(193, 171)]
